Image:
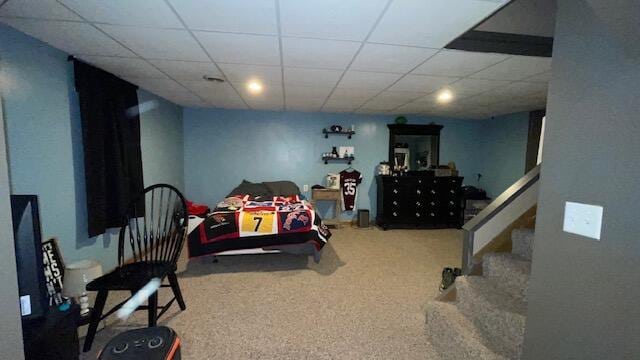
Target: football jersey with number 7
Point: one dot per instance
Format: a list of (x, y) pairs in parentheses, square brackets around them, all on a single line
[(349, 181)]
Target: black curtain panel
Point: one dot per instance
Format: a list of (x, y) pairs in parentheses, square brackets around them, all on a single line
[(111, 140)]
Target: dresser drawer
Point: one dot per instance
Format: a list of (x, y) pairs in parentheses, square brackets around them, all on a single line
[(399, 181)]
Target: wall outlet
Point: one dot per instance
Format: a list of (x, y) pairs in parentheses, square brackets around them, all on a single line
[(305, 187), (583, 219)]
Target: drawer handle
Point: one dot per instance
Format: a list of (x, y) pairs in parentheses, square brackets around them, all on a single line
[(395, 191), (395, 203), (418, 192), (395, 213)]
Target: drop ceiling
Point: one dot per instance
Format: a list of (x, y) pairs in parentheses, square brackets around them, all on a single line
[(353, 56)]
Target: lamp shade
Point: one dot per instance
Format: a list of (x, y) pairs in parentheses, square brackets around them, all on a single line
[(77, 275)]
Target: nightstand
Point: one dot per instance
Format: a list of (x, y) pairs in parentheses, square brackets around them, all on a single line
[(329, 195)]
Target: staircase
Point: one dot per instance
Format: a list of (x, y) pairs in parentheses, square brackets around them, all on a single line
[(487, 318)]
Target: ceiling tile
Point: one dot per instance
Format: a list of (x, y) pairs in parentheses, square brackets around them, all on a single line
[(379, 105), (421, 83), (306, 92), (152, 13), (330, 19), (458, 63), (413, 108), (322, 54), (389, 100), (158, 85), (432, 23), (519, 88), (350, 98), (270, 99), (389, 58), (215, 93), (515, 68), (367, 80), (404, 96), (183, 98), (247, 16), (187, 70), (468, 87), (241, 48), (241, 73), (124, 67), (40, 9), (87, 40), (308, 105), (158, 43), (311, 77), (335, 103)]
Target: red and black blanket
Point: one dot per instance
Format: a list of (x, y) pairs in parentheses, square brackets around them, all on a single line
[(241, 222)]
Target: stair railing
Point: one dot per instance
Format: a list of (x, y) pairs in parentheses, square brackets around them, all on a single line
[(500, 213)]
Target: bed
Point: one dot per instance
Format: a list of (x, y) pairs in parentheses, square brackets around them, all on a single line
[(258, 218)]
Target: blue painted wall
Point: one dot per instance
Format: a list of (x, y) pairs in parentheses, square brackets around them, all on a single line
[(504, 148), (222, 147), (44, 140)]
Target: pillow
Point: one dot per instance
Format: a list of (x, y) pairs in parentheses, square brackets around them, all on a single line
[(282, 188), (253, 189)]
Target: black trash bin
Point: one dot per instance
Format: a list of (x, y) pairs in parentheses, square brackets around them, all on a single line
[(363, 218)]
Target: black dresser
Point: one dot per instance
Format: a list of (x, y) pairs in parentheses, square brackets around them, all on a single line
[(419, 201)]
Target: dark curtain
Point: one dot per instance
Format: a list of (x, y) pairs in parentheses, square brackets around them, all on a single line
[(111, 141)]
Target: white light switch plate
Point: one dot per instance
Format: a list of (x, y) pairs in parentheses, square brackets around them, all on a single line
[(25, 305), (583, 219), (305, 188)]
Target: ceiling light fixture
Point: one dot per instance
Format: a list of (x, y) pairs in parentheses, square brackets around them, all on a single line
[(444, 96), (213, 78), (254, 87)]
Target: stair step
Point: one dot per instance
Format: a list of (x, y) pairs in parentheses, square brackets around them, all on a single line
[(511, 270), (493, 309), (522, 242), (454, 336)]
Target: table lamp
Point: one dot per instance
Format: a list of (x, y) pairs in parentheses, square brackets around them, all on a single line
[(76, 277)]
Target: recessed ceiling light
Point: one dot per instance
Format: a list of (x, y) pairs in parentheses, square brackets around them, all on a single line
[(213, 78), (444, 96), (254, 87)]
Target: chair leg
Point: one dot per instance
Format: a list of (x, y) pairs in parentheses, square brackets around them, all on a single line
[(153, 309), (96, 314), (175, 286)]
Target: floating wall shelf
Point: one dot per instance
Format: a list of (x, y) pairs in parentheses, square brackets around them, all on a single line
[(349, 133), (348, 159)]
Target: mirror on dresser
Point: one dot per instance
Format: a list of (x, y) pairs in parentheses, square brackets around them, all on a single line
[(414, 147)]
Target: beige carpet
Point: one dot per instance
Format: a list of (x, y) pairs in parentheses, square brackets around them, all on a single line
[(364, 300)]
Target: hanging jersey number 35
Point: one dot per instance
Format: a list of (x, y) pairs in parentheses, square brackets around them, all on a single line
[(350, 188), (258, 222)]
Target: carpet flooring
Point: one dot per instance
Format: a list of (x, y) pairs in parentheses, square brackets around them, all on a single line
[(364, 300)]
